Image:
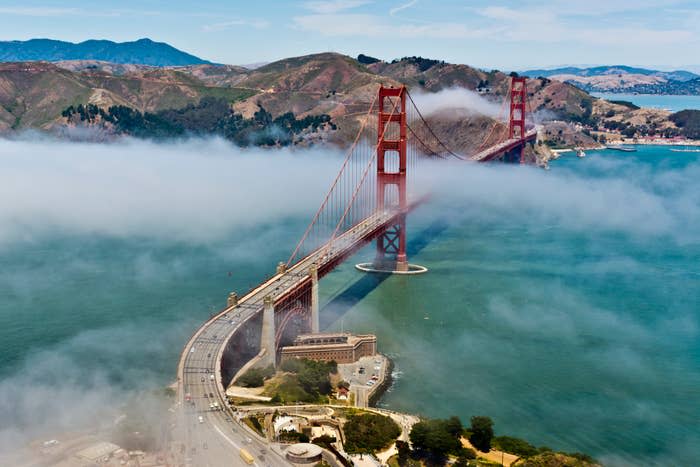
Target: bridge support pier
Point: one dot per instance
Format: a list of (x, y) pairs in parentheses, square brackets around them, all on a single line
[(515, 156), (315, 321), (267, 336)]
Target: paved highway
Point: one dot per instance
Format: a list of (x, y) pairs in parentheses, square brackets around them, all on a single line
[(217, 438)]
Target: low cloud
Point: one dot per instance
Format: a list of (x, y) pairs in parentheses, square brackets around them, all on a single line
[(193, 191), (621, 197), (455, 99)]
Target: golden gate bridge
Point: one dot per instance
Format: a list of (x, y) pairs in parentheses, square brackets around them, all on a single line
[(368, 201)]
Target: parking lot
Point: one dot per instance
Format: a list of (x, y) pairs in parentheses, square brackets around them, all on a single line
[(364, 376)]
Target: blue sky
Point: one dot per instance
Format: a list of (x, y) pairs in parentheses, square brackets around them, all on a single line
[(491, 34)]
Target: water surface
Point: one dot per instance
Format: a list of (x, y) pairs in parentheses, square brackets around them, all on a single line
[(656, 101), (563, 304)]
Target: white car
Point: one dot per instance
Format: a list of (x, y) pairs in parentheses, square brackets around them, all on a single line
[(201, 419)]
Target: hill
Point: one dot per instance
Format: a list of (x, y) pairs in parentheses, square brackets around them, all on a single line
[(34, 94), (327, 92), (142, 52), (625, 79)]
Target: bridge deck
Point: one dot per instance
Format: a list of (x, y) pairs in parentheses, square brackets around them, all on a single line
[(507, 145)]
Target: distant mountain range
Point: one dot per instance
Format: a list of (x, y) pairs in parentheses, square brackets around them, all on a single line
[(678, 75), (141, 52)]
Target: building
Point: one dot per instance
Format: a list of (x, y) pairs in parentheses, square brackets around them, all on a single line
[(343, 394), (304, 453), (98, 452), (341, 347)]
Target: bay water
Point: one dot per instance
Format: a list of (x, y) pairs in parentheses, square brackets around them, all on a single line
[(563, 304)]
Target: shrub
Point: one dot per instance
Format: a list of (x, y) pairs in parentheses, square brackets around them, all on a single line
[(255, 377), (516, 446)]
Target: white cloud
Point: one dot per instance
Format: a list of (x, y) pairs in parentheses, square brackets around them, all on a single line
[(405, 6), (365, 25), (333, 6), (548, 25), (51, 12), (253, 23)]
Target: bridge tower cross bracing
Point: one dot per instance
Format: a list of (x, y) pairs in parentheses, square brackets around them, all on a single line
[(391, 174), (518, 99)]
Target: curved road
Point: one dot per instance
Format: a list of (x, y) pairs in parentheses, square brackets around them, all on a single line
[(216, 440)]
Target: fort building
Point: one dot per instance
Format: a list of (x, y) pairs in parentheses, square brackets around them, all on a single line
[(341, 347)]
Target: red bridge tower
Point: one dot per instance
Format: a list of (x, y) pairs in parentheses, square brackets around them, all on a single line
[(391, 177), (518, 96)]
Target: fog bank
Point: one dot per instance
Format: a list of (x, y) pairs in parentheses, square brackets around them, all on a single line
[(194, 191), (460, 99)]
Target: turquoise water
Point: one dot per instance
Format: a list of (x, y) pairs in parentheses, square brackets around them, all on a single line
[(563, 304), (673, 103)]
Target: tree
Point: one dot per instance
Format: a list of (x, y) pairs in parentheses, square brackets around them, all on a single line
[(404, 452), (482, 433), (464, 458), (454, 426)]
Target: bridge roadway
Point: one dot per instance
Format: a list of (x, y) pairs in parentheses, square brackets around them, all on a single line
[(217, 440), (505, 146)]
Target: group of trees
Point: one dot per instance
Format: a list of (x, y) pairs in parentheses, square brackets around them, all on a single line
[(424, 64), (313, 376), (366, 59), (368, 433), (689, 123), (255, 377), (437, 438), (305, 380), (211, 116)]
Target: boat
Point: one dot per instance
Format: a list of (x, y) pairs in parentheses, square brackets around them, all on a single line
[(621, 148), (685, 150), (580, 153)]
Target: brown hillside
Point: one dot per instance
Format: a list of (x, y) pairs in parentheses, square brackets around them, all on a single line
[(33, 95)]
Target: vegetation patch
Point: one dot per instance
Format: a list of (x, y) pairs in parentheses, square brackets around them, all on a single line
[(211, 116), (255, 377), (556, 459), (516, 446), (435, 439), (302, 380), (255, 423), (366, 59), (689, 123), (369, 433)]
